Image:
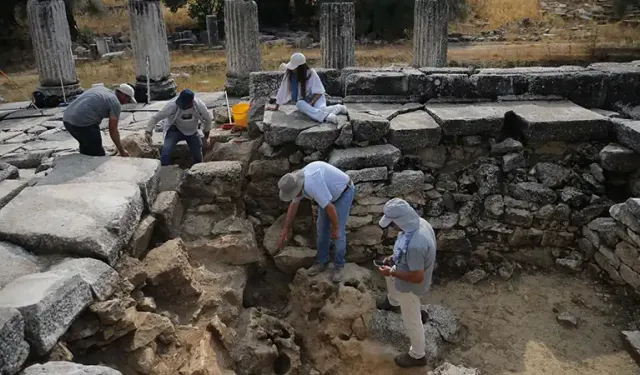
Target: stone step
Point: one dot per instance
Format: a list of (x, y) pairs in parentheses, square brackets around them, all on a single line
[(414, 130), (89, 219), (320, 137), (627, 133), (365, 157), (283, 126), (377, 83), (465, 119), (49, 303)]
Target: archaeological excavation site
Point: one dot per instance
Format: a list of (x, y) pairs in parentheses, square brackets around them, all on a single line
[(529, 176)]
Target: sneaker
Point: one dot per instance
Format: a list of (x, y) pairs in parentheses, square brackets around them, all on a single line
[(332, 119), (384, 304), (338, 274), (316, 269), (343, 110), (405, 361)]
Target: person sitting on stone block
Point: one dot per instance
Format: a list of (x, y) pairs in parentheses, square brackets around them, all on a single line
[(333, 190), (302, 86), (181, 119), (83, 116), (408, 274)]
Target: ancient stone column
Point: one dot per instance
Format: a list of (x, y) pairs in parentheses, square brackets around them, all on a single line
[(430, 21), (212, 30), (52, 48), (149, 42), (242, 44), (338, 34)]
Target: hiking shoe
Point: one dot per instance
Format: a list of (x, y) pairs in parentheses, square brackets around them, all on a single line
[(343, 110), (405, 361), (338, 274), (332, 119), (384, 304), (316, 269)]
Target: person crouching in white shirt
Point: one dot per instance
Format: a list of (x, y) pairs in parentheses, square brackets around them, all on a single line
[(302, 86), (181, 119)]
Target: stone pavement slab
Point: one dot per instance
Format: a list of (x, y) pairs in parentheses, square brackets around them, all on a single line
[(365, 157), (627, 133), (16, 262), (48, 303), (386, 110), (22, 124), (414, 130), (368, 127), (9, 189), (78, 169), (14, 105), (468, 119), (29, 113), (90, 219), (559, 121), (101, 278), (284, 125), (13, 348)]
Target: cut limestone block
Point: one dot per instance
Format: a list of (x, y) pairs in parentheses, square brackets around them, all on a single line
[(101, 278), (468, 119), (77, 168), (16, 262), (632, 341), (142, 236), (13, 348), (617, 158), (92, 219), (9, 189), (319, 137), (49, 303), (215, 179), (377, 83), (559, 121), (414, 130), (368, 127), (68, 368), (284, 125), (368, 174), (365, 157), (627, 133), (384, 110)]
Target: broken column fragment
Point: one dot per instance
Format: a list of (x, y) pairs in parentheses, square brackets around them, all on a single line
[(149, 42), (338, 34), (242, 44), (52, 48), (430, 33)]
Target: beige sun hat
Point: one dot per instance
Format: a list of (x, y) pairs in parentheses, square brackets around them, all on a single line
[(290, 185)]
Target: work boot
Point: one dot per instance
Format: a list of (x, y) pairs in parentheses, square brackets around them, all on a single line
[(384, 304), (316, 269), (405, 361), (338, 274)]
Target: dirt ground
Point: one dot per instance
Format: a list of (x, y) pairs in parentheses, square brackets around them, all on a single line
[(512, 329)]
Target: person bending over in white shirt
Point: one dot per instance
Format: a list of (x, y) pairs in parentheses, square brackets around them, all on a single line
[(181, 119), (302, 86)]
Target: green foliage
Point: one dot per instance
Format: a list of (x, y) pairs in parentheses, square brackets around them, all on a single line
[(174, 5), (620, 7), (200, 9)]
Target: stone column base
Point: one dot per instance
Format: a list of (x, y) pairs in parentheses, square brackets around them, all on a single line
[(160, 90), (237, 84), (70, 91)]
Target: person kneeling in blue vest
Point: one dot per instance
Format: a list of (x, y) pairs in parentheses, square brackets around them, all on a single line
[(181, 118)]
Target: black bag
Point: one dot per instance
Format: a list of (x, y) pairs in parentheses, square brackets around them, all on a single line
[(43, 101)]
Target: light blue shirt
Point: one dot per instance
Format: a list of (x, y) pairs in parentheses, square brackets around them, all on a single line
[(323, 183)]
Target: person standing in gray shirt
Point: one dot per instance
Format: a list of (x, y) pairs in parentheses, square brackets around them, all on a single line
[(408, 274), (83, 116)]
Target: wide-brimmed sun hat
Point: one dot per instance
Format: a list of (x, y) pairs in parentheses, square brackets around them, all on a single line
[(396, 210), (290, 185)]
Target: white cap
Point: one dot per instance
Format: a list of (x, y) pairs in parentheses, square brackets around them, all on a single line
[(296, 60), (128, 91)]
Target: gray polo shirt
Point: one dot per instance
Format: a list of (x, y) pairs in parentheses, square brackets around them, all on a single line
[(420, 254), (92, 106)]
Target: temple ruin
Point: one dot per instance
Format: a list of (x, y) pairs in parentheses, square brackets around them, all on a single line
[(119, 266)]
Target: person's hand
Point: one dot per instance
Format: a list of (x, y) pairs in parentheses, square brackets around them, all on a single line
[(388, 261), (284, 234), (124, 153), (335, 233), (207, 144), (148, 137), (385, 270)]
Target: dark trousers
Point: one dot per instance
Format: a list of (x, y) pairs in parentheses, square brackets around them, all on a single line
[(89, 138), (171, 139)]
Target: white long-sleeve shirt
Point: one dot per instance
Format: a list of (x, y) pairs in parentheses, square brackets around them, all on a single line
[(314, 86), (186, 120)]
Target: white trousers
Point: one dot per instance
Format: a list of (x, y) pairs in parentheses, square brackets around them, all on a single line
[(411, 316), (319, 111)]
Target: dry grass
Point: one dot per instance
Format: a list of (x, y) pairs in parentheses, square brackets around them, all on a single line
[(501, 12)]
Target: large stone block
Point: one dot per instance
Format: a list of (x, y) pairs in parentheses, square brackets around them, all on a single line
[(365, 157), (101, 278), (283, 126), (468, 119), (618, 158), (215, 179), (92, 219), (68, 368), (13, 348), (627, 133), (403, 182), (320, 137), (377, 83), (49, 302), (632, 342), (264, 84), (582, 86), (450, 86), (16, 262), (621, 82), (368, 174), (368, 127), (234, 244), (142, 236), (290, 259), (330, 80), (414, 130), (491, 83), (168, 211), (559, 121), (77, 168)]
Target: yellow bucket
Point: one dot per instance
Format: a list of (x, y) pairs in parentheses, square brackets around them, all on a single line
[(240, 114)]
